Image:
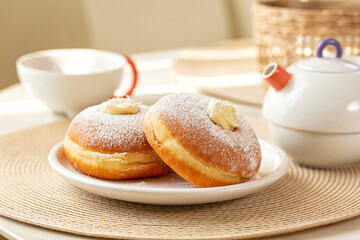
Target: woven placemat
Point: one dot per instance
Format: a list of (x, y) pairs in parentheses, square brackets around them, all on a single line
[(31, 192)]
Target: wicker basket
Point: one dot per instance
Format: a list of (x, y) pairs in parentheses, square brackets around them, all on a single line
[(287, 31)]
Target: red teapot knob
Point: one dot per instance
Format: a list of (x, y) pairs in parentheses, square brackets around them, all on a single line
[(276, 76)]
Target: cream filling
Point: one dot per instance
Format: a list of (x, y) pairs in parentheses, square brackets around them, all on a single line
[(223, 113), (92, 157), (166, 140), (120, 106)]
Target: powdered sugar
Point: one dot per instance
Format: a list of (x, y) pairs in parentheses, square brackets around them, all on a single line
[(95, 129), (186, 116)]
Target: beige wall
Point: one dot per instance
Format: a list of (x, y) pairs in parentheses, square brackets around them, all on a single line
[(126, 26), (241, 13), (28, 26), (143, 25)]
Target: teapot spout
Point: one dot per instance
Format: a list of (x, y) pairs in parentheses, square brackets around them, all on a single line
[(276, 76)]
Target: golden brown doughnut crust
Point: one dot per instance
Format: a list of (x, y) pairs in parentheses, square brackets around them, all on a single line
[(111, 146), (213, 156)]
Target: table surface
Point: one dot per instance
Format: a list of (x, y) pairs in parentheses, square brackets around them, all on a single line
[(19, 111)]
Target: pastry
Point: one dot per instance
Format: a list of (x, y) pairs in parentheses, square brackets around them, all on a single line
[(202, 139), (107, 141)]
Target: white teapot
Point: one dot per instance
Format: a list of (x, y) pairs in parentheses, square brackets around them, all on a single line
[(313, 109)]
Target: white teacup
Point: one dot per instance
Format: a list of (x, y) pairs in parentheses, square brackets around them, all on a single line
[(69, 80)]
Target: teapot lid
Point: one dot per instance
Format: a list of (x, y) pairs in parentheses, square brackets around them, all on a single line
[(327, 65)]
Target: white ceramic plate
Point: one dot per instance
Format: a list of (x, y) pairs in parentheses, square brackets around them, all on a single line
[(172, 189)]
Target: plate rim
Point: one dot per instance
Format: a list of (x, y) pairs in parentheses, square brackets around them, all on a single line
[(99, 183)]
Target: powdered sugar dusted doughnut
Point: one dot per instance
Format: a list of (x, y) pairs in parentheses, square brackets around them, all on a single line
[(111, 146), (181, 132)]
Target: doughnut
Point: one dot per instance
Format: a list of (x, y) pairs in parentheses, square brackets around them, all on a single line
[(179, 129), (111, 146)]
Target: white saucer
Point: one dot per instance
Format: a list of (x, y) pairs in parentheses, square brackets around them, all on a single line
[(172, 189)]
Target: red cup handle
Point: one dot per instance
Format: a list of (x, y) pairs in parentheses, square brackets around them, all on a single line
[(134, 77)]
